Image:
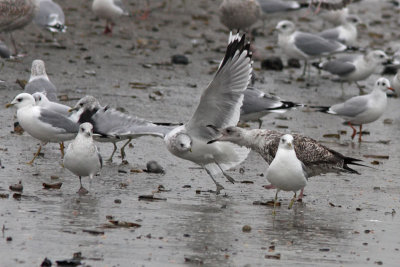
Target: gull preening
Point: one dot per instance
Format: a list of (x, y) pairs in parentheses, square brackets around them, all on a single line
[(303, 45), (286, 172), (354, 68), (112, 125), (257, 104), (220, 106), (82, 157), (39, 81), (43, 124), (110, 11), (362, 109), (50, 16)]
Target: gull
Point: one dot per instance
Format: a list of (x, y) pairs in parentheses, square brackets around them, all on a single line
[(396, 83), (50, 16), (354, 68), (109, 10), (286, 172), (257, 104), (219, 105), (336, 17), (317, 158), (16, 14), (112, 126), (82, 157), (42, 101), (239, 14), (43, 124), (269, 7), (39, 81), (362, 109), (346, 33), (303, 45)]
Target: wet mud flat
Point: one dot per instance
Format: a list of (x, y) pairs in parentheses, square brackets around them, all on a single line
[(344, 220)]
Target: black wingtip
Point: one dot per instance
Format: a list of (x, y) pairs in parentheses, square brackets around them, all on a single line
[(212, 141), (233, 46), (316, 65)]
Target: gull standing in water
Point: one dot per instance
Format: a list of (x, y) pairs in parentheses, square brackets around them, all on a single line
[(286, 172), (39, 81), (317, 159), (82, 157), (219, 105), (362, 109), (43, 124), (303, 45)]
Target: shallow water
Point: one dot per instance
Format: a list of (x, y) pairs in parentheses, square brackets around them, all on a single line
[(344, 219)]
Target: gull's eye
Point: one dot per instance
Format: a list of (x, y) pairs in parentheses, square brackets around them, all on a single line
[(182, 145), (82, 130), (384, 84), (228, 131), (19, 99), (381, 56), (81, 104), (283, 26), (40, 98)]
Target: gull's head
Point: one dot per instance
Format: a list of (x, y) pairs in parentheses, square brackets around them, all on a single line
[(86, 103), (285, 27), (353, 19), (383, 84), (230, 134), (40, 98), (286, 142), (22, 100), (378, 56), (181, 143), (38, 69), (86, 129)]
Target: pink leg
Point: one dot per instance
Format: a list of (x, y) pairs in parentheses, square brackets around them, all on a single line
[(360, 134), (270, 186), (354, 130), (301, 195), (108, 28)]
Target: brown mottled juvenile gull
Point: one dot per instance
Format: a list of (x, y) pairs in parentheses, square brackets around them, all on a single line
[(317, 158), (39, 81), (16, 14), (239, 14), (219, 105)]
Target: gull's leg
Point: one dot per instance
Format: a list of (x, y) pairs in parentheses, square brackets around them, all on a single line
[(318, 7), (219, 186), (292, 201), (301, 195), (14, 44), (35, 156), (270, 186), (360, 134), (360, 88), (275, 201), (112, 154), (304, 69), (108, 28), (260, 122), (62, 149), (123, 148), (354, 130), (230, 179), (82, 190)]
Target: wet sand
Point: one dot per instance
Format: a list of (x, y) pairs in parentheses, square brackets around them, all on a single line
[(344, 220)]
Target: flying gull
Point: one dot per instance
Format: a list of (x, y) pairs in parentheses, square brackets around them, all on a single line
[(82, 157), (219, 105)]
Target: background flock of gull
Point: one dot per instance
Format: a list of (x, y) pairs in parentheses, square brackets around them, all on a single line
[(210, 138)]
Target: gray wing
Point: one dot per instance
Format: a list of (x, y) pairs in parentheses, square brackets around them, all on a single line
[(59, 108), (314, 45), (339, 67), (221, 101), (110, 122), (44, 86), (316, 158), (15, 14), (352, 107), (331, 34), (121, 5), (273, 6), (58, 120), (257, 101), (50, 15)]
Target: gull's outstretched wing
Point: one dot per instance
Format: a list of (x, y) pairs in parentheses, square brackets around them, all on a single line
[(220, 103)]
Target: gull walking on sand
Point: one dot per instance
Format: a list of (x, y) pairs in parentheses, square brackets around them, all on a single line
[(317, 158), (219, 105), (82, 157), (43, 124), (110, 11), (362, 109), (303, 45), (286, 172)]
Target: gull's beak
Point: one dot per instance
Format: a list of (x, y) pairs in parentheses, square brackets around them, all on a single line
[(290, 145), (390, 88), (190, 149), (9, 105), (73, 109)]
